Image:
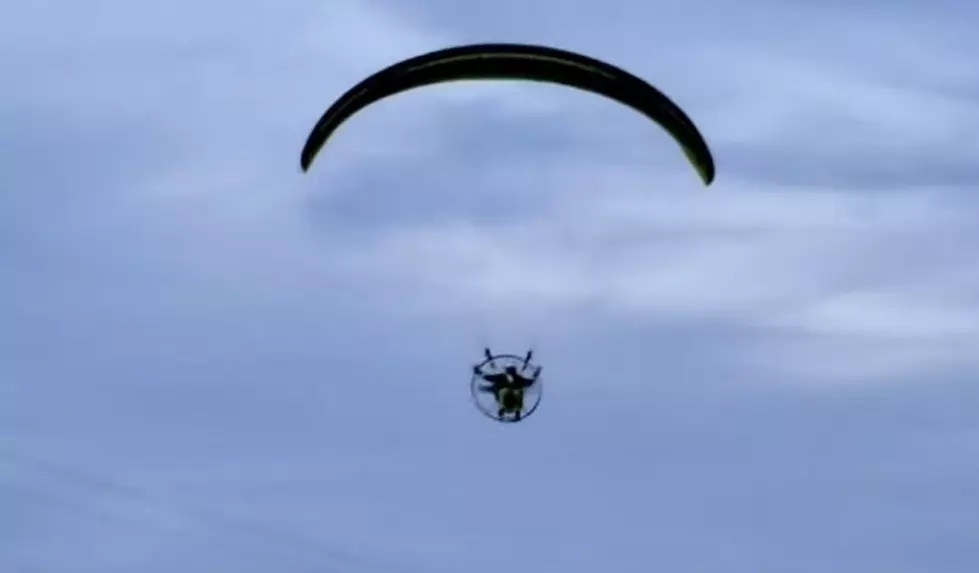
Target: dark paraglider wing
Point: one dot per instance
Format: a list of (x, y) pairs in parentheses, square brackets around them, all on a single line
[(517, 62)]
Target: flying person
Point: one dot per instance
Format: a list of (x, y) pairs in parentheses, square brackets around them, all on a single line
[(508, 388)]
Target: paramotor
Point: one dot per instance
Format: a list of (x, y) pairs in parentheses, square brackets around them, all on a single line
[(506, 387)]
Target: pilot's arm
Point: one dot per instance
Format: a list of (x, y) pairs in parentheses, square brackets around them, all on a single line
[(527, 382), (496, 379)]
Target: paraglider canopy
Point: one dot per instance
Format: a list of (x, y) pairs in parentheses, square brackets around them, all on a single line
[(521, 62)]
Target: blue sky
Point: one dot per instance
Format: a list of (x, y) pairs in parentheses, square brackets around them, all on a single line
[(209, 361)]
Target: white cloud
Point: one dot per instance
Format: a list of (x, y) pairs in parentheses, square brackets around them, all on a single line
[(784, 261), (614, 237), (889, 316)]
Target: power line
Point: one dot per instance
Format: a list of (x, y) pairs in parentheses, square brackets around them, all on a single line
[(270, 536)]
